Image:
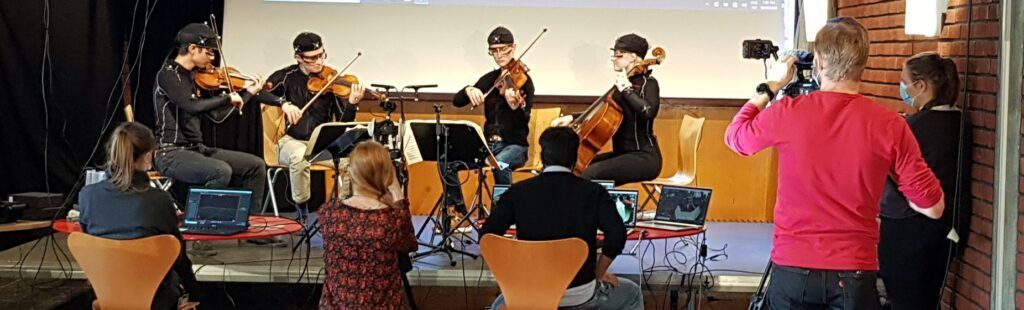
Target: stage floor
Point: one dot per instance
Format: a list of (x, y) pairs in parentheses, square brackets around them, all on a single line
[(737, 254)]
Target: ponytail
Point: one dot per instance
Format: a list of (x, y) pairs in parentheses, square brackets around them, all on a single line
[(941, 75), (371, 170), (128, 143)]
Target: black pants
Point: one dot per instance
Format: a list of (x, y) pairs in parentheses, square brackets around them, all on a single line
[(912, 256), (213, 167), (799, 288), (624, 168)]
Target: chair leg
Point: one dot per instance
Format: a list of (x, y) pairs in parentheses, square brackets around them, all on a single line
[(272, 174), (650, 189)]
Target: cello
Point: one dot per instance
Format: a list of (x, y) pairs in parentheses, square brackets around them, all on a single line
[(599, 122)]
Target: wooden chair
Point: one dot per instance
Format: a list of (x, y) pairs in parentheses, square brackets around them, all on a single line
[(689, 140), (540, 120), (533, 274), (155, 179), (274, 125), (124, 273)]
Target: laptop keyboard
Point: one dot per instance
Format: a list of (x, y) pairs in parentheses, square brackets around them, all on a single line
[(221, 230)]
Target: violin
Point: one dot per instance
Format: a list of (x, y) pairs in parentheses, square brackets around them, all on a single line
[(513, 75), (341, 87), (212, 78)]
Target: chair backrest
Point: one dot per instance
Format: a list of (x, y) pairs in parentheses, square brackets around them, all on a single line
[(273, 130), (540, 120), (689, 140), (124, 274), (533, 274)]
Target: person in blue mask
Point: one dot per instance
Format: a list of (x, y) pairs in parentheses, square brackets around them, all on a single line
[(915, 250)]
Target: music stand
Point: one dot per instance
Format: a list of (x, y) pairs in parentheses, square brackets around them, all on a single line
[(448, 141), (332, 141)]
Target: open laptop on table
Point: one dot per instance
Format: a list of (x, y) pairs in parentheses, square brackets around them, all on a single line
[(214, 211), (680, 208), (625, 206)]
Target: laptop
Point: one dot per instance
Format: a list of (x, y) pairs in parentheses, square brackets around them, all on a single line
[(607, 184), (680, 208), (497, 191), (213, 211), (625, 206)]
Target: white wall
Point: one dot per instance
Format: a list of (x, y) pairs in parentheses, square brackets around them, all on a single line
[(446, 45)]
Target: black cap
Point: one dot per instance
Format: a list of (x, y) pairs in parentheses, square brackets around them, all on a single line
[(632, 43), (198, 34), (307, 41), (500, 35)]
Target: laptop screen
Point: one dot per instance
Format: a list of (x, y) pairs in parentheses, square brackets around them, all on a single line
[(498, 191), (207, 206), (625, 204), (688, 205)]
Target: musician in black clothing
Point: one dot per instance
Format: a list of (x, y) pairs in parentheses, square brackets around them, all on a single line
[(181, 155), (289, 90), (506, 113), (635, 155)]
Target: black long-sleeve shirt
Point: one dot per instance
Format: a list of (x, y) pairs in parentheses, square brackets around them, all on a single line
[(640, 106), (114, 214), (938, 134), (513, 126), (558, 205), (290, 84), (179, 108)]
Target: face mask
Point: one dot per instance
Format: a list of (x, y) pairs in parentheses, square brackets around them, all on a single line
[(906, 95)]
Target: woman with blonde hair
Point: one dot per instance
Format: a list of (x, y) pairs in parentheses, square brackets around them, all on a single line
[(363, 233), (125, 206)]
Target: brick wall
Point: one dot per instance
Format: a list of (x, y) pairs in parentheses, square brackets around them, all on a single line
[(969, 284)]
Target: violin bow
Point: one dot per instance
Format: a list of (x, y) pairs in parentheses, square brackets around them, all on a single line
[(520, 58), (223, 60)]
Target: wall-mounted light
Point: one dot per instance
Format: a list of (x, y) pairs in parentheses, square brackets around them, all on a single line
[(815, 15), (924, 17)]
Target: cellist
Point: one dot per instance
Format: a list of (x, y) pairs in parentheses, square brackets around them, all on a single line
[(507, 117), (635, 156)]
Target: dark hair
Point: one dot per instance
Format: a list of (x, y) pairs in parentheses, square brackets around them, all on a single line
[(127, 144), (941, 75), (183, 49), (558, 147)]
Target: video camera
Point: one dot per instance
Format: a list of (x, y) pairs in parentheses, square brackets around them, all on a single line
[(763, 49)]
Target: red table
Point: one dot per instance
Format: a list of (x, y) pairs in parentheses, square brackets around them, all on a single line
[(260, 227)]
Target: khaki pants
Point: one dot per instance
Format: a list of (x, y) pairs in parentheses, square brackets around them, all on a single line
[(290, 152)]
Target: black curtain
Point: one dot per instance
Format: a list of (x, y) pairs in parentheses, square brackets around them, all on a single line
[(54, 107)]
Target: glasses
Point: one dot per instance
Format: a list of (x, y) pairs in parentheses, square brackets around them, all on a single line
[(502, 50), (208, 52), (314, 58), (617, 56)]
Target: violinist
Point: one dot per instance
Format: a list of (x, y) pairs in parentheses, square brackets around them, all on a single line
[(506, 113), (635, 156), (181, 154), (292, 85)]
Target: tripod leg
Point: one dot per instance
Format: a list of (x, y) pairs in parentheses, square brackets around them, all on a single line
[(408, 291)]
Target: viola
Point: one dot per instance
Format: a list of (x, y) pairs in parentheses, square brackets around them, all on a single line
[(513, 75)]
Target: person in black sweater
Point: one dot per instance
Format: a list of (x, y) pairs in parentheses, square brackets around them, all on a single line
[(125, 206), (913, 250), (557, 205), (181, 155), (507, 119), (635, 155), (290, 91)]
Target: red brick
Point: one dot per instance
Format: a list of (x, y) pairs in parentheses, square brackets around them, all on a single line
[(881, 76), (984, 102), (851, 3), (982, 209), (983, 156), (888, 35), (988, 29), (982, 119), (982, 83), (981, 190), (884, 90), (980, 13), (891, 49), (884, 62), (982, 173), (984, 138), (883, 22), (874, 9), (982, 227)]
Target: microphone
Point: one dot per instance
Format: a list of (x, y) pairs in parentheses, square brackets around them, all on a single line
[(384, 86), (417, 87)]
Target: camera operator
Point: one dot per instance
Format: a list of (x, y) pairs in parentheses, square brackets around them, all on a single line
[(836, 149)]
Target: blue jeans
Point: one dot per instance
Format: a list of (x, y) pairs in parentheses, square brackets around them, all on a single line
[(625, 296), (509, 156)]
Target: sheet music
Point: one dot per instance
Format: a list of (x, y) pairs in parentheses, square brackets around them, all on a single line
[(412, 149)]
